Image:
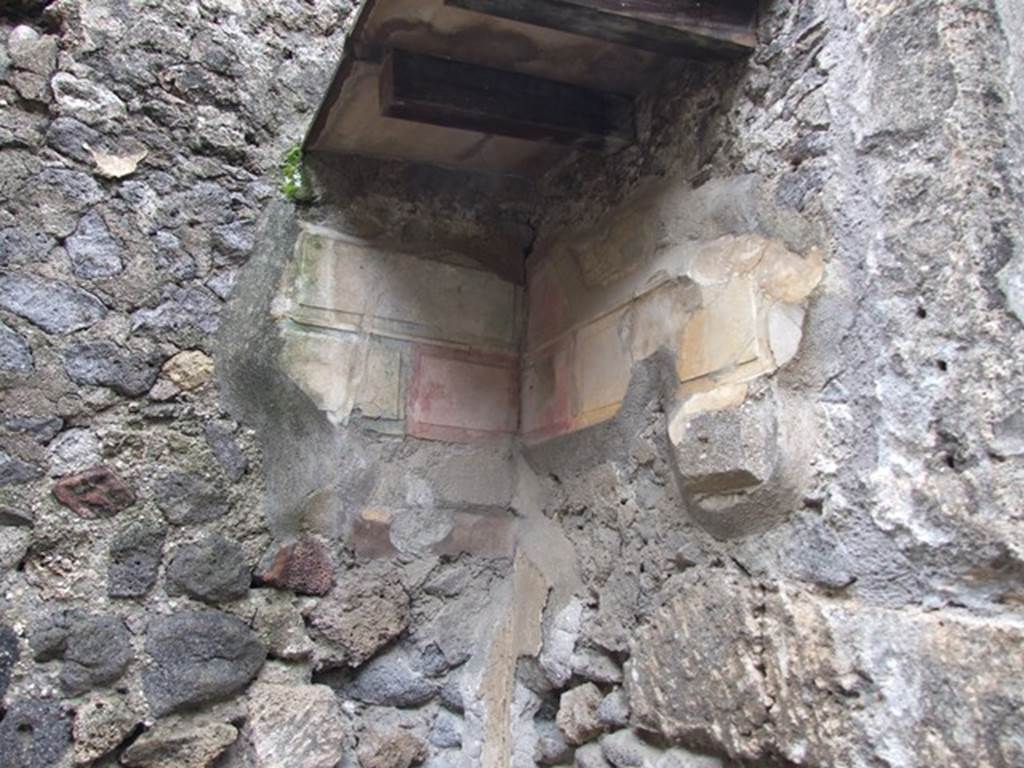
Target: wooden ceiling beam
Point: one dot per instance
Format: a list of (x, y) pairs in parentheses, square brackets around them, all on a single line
[(454, 94), (702, 29)]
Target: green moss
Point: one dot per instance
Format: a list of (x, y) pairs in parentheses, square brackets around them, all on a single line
[(294, 181)]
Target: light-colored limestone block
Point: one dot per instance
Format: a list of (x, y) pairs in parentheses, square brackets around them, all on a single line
[(353, 285), (723, 334)]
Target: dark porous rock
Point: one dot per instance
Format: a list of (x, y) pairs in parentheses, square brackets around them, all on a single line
[(24, 246), (212, 570), (193, 309), (32, 52), (447, 730), (186, 498), (97, 652), (34, 734), (15, 353), (9, 653), (105, 364), (48, 636), (577, 713), (391, 680), (391, 749), (180, 745), (14, 471), (70, 137), (171, 256), (366, 610), (57, 196), (95, 493), (225, 448), (93, 250), (234, 242), (54, 306), (198, 657), (96, 649), (16, 518), (303, 566), (134, 560), (42, 428), (551, 748)]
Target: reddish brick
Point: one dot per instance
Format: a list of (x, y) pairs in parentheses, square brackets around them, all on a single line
[(96, 492), (304, 567)]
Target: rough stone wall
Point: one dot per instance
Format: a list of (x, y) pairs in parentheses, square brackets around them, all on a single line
[(138, 148), (872, 620), (215, 552)]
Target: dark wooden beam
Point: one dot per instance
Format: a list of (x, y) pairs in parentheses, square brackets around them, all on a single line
[(684, 28), (458, 95)]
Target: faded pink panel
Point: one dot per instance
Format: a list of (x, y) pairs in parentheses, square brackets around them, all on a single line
[(547, 394), (548, 311), (462, 396)]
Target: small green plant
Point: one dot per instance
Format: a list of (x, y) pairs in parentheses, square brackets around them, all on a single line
[(294, 182)]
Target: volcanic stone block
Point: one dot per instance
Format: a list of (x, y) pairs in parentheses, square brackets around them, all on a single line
[(93, 251), (392, 680), (446, 732), (97, 652), (626, 748), (225, 448), (591, 756), (95, 493), (74, 450), (31, 51), (295, 725), (213, 570), (198, 657), (15, 353), (134, 560), (614, 709), (101, 724), (303, 567), (34, 734), (14, 471), (180, 745), (367, 609), (577, 713), (391, 749), (104, 364), (54, 306), (186, 498)]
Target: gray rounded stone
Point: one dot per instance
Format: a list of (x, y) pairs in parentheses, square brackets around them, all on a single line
[(212, 570), (134, 560), (391, 680), (98, 652), (54, 306), (105, 364), (198, 657), (186, 498), (93, 250)]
